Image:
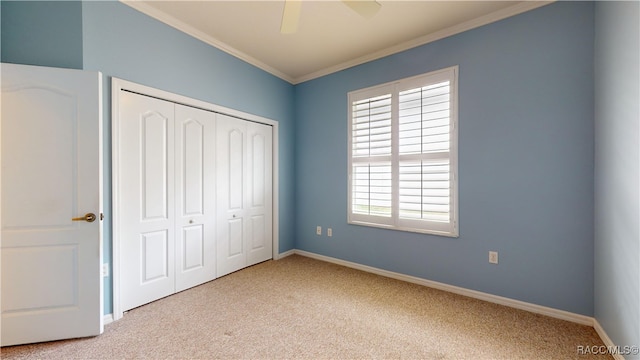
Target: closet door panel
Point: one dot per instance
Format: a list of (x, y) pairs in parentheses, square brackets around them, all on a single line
[(235, 152), (192, 167), (259, 207), (244, 193), (146, 180), (154, 256), (155, 165), (195, 197), (235, 238), (258, 232), (193, 248), (231, 168)]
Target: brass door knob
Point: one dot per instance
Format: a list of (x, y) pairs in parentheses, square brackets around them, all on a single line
[(89, 217)]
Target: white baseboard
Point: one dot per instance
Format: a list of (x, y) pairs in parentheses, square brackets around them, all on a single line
[(107, 319), (284, 254), (538, 309), (606, 339)]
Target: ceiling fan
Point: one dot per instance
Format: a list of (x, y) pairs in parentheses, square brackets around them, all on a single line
[(291, 13)]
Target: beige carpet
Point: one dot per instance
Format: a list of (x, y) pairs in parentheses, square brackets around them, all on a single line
[(303, 308)]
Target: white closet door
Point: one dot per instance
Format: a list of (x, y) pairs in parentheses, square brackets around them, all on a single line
[(147, 209), (231, 170), (259, 202), (244, 193), (195, 197)]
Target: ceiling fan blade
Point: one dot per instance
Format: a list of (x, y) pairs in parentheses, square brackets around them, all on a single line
[(290, 16), (365, 8)]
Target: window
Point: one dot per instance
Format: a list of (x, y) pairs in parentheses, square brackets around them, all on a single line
[(403, 154)]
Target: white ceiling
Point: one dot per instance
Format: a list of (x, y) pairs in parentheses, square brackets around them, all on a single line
[(330, 35)]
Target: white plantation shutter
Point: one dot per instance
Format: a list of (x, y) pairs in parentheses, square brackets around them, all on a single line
[(403, 155), (425, 119), (424, 190), (371, 172), (372, 126), (372, 189)]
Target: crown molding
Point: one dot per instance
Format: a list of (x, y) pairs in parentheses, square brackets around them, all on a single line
[(450, 31), (438, 35)]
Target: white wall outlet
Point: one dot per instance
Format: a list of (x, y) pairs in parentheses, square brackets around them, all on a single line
[(319, 230), (105, 270), (493, 257), (329, 232)]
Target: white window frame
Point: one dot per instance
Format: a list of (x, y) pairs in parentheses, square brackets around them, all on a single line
[(444, 228)]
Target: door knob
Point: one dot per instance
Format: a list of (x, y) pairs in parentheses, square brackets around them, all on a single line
[(89, 217)]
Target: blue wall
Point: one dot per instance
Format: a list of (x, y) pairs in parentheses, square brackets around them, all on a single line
[(617, 185), (526, 133), (45, 33)]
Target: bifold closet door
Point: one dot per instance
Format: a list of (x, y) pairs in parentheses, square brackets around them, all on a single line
[(147, 199), (167, 198), (244, 188), (195, 196)]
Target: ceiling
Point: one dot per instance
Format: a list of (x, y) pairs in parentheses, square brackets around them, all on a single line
[(330, 36)]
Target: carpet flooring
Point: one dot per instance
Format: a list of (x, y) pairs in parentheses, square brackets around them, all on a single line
[(301, 308)]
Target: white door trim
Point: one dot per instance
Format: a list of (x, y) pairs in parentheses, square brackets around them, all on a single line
[(118, 85)]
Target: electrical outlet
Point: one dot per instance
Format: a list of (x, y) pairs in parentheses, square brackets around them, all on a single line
[(105, 270), (493, 257), (329, 232), (319, 230)]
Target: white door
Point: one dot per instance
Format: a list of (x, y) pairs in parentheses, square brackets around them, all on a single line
[(244, 187), (259, 205), (51, 173), (195, 196), (146, 215)]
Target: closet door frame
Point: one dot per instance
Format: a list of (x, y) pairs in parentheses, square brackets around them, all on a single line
[(119, 85)]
